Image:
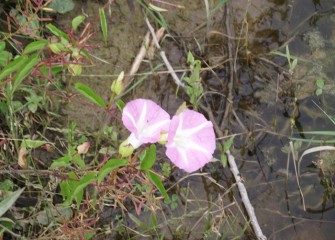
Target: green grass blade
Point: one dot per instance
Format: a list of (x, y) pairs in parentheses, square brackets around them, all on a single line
[(103, 23), (90, 94), (25, 70)]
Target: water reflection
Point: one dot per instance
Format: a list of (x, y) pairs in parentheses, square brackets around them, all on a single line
[(285, 103)]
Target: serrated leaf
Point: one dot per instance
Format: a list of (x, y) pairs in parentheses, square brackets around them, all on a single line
[(90, 94), (149, 158), (77, 21), (56, 31), (13, 66), (103, 23), (158, 183), (34, 46), (110, 166), (25, 71), (9, 200)]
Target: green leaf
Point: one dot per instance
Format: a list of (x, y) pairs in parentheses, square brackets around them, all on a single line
[(61, 162), (13, 66), (224, 159), (61, 6), (149, 158), (90, 94), (158, 183), (25, 71), (53, 69), (78, 160), (156, 9), (27, 143), (77, 21), (34, 46), (228, 144), (318, 91), (9, 200), (103, 23), (137, 221), (110, 166), (120, 104), (2, 46), (4, 58), (79, 187), (320, 83), (56, 31)]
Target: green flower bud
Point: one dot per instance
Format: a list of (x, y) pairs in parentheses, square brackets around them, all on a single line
[(117, 85), (126, 149), (164, 138)]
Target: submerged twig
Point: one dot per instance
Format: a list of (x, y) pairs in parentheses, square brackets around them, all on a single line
[(238, 179)]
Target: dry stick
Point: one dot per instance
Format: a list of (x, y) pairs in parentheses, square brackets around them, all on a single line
[(234, 169), (163, 56)]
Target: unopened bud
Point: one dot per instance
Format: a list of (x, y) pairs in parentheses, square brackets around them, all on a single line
[(126, 149), (164, 138), (117, 85)]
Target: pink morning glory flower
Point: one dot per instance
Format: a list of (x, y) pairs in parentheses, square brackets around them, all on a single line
[(191, 141), (145, 120)]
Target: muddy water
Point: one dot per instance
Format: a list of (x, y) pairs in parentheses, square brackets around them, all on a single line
[(266, 100)]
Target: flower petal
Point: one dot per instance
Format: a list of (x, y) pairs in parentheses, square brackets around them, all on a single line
[(191, 141), (146, 120)]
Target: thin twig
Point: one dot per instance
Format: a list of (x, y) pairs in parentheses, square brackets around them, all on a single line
[(237, 177), (163, 56)]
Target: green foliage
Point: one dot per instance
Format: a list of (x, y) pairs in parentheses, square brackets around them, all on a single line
[(148, 157), (35, 46), (319, 87), (90, 94), (158, 183), (173, 201), (61, 6), (194, 88), (5, 56), (77, 21), (223, 149), (103, 23), (75, 189), (9, 200), (26, 69), (109, 167)]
